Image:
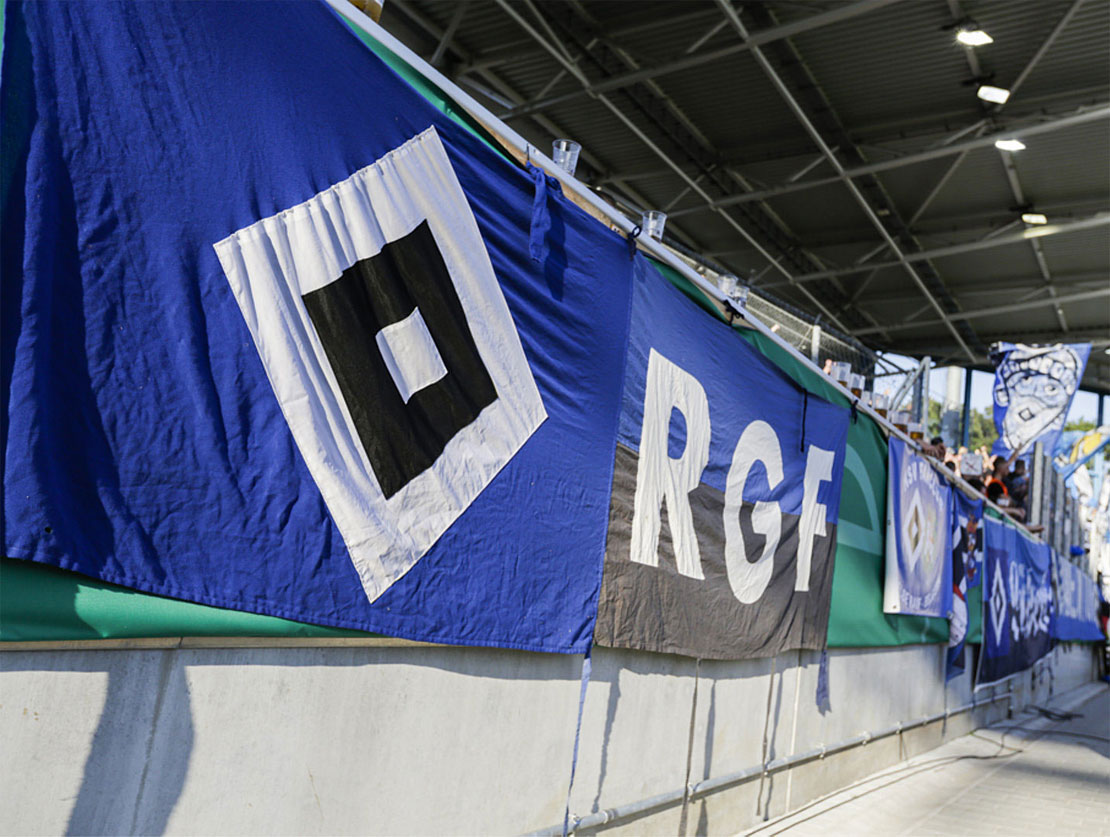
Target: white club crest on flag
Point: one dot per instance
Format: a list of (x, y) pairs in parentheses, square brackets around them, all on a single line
[(391, 350), (998, 604)]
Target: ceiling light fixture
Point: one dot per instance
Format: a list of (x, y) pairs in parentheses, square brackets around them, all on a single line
[(1034, 218), (990, 93), (969, 34), (1009, 145)]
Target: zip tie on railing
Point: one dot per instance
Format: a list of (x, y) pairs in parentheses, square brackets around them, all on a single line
[(630, 239)]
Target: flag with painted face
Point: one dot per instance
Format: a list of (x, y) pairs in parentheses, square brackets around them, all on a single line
[(967, 556), (1033, 390), (918, 578), (274, 339), (726, 492), (1017, 602)]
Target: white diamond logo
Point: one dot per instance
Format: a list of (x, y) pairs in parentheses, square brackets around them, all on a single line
[(998, 600)]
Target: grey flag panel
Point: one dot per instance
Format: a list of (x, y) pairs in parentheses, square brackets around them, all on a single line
[(658, 609)]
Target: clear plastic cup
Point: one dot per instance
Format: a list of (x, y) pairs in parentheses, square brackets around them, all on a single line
[(565, 154), (652, 223), (880, 403), (856, 384), (900, 419), (916, 430), (726, 284), (841, 371)]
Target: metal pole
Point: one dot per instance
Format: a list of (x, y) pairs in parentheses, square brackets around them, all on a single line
[(950, 418), (967, 408)]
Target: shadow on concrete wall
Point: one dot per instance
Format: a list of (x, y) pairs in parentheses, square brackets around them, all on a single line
[(99, 808)]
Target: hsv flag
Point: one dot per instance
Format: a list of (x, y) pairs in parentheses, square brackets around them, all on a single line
[(1017, 602), (967, 557), (919, 536), (273, 339)]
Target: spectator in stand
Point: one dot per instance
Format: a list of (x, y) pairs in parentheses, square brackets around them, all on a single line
[(1017, 484), (997, 476)]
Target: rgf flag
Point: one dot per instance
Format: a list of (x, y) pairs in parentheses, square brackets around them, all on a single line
[(726, 492)]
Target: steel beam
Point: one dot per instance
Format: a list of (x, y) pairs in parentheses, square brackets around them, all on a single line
[(449, 33), (1100, 220), (990, 312), (685, 63), (1101, 111)]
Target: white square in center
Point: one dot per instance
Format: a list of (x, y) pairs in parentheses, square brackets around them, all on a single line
[(410, 354)]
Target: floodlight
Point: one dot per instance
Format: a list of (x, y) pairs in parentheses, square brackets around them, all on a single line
[(1034, 218), (990, 93), (971, 35), (1009, 145)]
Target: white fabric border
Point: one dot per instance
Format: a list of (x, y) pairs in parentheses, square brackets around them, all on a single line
[(273, 262)]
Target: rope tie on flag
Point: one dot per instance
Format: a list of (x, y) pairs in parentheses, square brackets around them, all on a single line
[(541, 218), (633, 234), (689, 751), (587, 668)]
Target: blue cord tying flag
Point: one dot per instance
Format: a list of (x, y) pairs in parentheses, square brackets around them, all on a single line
[(541, 218)]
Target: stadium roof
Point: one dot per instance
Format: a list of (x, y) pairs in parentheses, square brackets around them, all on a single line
[(835, 152)]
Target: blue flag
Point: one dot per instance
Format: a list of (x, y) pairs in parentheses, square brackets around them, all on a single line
[(274, 340), (726, 492), (1033, 390), (1076, 603), (918, 578), (1017, 602), (967, 556)]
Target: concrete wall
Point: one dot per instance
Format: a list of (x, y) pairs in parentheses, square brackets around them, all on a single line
[(428, 740)]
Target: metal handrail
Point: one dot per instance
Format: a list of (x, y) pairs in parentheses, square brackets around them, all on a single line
[(707, 786)]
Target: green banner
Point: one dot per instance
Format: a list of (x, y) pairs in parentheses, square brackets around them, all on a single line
[(41, 603)]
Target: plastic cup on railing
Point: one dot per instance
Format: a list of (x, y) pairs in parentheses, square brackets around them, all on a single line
[(865, 399), (564, 153), (916, 430), (880, 403), (741, 295), (841, 371), (726, 284), (856, 384), (900, 419), (652, 223)]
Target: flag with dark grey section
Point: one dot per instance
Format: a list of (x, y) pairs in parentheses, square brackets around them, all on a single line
[(722, 522)]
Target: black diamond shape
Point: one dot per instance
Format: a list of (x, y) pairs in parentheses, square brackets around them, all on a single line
[(401, 440)]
